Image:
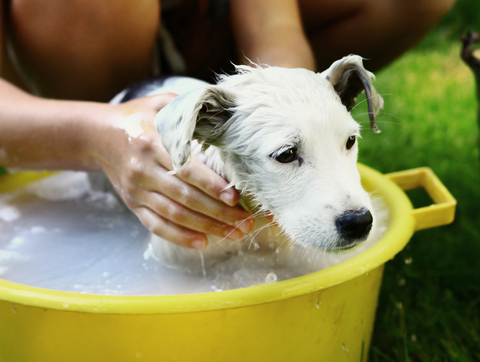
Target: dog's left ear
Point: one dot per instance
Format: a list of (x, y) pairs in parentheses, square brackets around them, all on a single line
[(200, 114), (349, 79)]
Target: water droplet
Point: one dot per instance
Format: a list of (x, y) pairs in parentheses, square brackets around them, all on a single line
[(202, 259), (408, 260), (319, 304), (271, 277), (14, 310), (345, 348)]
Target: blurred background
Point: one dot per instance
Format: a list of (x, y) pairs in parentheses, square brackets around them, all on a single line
[(429, 307)]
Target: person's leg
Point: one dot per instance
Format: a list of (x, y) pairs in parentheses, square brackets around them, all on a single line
[(82, 50), (378, 30)]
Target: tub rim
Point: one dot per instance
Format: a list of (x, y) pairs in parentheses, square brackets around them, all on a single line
[(401, 228)]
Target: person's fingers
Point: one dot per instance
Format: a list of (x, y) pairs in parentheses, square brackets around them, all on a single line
[(198, 187), (195, 199), (180, 225), (161, 193), (204, 178), (173, 233), (200, 175), (184, 216)]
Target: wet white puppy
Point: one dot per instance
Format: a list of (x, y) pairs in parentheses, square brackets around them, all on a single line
[(286, 140)]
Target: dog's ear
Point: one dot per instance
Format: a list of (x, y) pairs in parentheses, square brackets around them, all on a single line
[(349, 79), (199, 114)]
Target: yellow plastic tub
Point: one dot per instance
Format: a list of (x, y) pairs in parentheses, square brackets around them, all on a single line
[(325, 316)]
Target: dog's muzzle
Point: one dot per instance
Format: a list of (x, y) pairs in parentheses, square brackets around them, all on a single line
[(353, 227)]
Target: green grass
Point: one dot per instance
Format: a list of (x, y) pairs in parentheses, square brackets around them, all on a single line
[(429, 307)]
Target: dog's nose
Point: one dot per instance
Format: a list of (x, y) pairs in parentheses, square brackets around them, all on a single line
[(354, 225)]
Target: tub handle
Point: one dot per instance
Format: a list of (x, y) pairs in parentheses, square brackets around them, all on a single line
[(442, 212)]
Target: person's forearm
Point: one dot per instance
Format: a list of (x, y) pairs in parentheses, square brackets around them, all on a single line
[(38, 133), (287, 49), (271, 32)]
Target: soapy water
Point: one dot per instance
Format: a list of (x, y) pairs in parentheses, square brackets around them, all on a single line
[(61, 234)]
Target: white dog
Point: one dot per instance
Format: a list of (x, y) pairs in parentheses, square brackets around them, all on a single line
[(286, 140)]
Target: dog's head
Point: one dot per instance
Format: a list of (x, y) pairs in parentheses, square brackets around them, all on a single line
[(287, 139)]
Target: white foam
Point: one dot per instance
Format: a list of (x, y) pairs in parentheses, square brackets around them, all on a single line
[(131, 124), (62, 186), (9, 213)]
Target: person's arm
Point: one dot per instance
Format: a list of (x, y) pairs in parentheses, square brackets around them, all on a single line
[(270, 32), (38, 133)]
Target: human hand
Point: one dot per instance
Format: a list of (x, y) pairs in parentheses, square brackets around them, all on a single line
[(180, 208)]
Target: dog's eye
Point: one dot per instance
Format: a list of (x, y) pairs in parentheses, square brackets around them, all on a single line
[(351, 141), (287, 156)]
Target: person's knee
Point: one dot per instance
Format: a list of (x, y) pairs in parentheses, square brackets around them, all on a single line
[(426, 10)]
